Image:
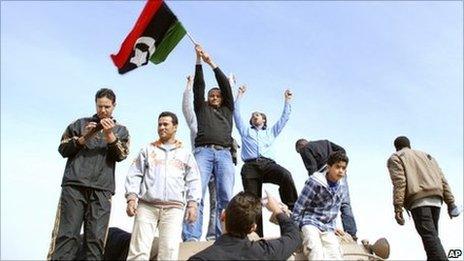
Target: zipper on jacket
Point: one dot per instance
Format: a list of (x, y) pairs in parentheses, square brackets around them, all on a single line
[(165, 173)]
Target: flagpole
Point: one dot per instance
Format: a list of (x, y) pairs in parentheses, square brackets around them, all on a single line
[(191, 38)]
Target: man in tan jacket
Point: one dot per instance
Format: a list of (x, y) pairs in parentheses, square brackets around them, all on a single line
[(420, 187)]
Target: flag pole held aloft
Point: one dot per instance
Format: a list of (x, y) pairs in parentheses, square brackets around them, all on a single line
[(191, 38)]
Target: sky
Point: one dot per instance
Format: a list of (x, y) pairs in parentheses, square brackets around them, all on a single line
[(362, 73)]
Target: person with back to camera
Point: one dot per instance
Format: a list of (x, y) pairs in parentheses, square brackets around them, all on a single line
[(420, 187), (240, 220)]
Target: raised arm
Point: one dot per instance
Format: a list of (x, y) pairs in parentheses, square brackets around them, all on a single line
[(280, 124), (187, 108), (239, 123), (198, 82), (222, 80)]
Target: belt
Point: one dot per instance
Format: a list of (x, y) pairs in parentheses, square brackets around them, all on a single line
[(214, 146), (258, 159)]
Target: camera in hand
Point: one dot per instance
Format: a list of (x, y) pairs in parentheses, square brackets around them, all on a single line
[(94, 130), (97, 121)]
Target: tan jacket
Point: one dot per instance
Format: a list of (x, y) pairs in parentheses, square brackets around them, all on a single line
[(415, 175)]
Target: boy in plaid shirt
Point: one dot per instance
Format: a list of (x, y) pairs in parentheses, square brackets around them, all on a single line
[(317, 208)]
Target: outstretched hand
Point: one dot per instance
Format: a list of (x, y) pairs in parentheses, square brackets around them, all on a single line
[(288, 95), (207, 59), (189, 82), (198, 51), (201, 54), (241, 90), (272, 205)]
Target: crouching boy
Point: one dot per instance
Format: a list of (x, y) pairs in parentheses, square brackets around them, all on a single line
[(317, 208)]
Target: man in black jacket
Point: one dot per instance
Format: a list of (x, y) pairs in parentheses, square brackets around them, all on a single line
[(92, 145), (240, 220), (315, 155), (213, 140)]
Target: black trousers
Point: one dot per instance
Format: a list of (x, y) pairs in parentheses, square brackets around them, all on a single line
[(426, 223), (80, 205), (116, 248), (263, 170)]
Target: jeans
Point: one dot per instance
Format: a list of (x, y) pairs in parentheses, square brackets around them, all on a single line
[(211, 232), (426, 223), (217, 162), (348, 222)]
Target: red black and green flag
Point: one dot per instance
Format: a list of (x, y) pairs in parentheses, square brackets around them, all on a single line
[(155, 34)]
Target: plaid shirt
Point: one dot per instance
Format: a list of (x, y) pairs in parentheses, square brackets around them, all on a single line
[(318, 204)]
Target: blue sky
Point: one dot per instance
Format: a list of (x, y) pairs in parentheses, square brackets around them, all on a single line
[(362, 73)]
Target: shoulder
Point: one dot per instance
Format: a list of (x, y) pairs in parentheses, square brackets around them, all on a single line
[(147, 148), (393, 158), (119, 125), (82, 120), (77, 124)]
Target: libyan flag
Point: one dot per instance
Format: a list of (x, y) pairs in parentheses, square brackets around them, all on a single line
[(155, 34)]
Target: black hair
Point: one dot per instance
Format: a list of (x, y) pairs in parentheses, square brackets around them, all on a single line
[(264, 118), (173, 116), (213, 89), (299, 142), (401, 142), (336, 157), (241, 214), (105, 92)]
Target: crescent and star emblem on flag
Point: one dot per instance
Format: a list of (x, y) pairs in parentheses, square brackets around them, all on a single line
[(140, 54), (155, 34)]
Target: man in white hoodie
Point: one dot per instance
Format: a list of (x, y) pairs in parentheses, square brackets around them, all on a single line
[(162, 181)]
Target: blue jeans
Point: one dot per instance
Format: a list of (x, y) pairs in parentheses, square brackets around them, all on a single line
[(349, 225), (218, 163), (211, 232)]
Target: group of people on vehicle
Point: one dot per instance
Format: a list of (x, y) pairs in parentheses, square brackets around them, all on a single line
[(167, 182)]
